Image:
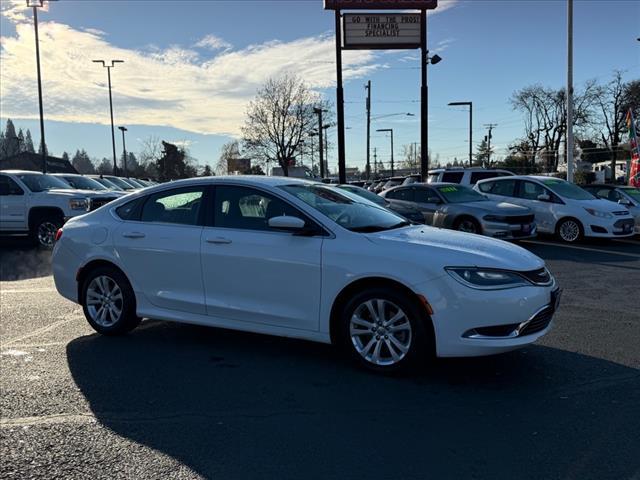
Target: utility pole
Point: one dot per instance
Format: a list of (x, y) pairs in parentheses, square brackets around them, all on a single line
[(375, 161), (368, 168), (124, 151), (318, 112), (570, 94), (342, 168), (490, 127), (415, 153)]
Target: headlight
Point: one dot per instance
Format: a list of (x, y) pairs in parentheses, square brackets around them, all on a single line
[(487, 279), (79, 204), (495, 218), (598, 213)]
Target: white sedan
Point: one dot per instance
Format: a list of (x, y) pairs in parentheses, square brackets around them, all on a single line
[(288, 257)]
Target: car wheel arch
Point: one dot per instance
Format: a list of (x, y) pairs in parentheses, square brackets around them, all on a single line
[(375, 282), (38, 212)]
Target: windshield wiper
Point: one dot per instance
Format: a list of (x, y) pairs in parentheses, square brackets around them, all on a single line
[(379, 228)]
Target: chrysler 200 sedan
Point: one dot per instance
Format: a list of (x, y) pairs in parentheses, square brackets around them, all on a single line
[(299, 259)]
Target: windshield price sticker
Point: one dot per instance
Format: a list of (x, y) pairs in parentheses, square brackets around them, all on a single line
[(448, 189), (552, 182)]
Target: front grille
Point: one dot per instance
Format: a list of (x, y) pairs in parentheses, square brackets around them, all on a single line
[(519, 219), (537, 277), (539, 322), (621, 212), (99, 202)]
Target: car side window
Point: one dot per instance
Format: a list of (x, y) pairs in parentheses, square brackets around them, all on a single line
[(609, 194), (248, 209), (452, 177), (531, 191), (180, 206), (486, 187), (9, 187), (505, 188), (477, 176), (405, 194), (426, 195)]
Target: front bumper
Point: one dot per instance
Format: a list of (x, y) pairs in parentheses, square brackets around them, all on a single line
[(506, 231), (458, 311), (614, 228)]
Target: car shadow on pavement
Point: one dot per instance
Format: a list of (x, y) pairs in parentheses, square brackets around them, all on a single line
[(237, 406), (20, 260)]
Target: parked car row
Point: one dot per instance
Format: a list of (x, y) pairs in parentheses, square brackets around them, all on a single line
[(503, 205), (35, 204)]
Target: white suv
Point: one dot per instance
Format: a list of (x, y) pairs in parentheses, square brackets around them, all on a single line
[(562, 208), (464, 176), (37, 204)]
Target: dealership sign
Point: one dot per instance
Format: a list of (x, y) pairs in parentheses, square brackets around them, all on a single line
[(380, 4), (381, 31)]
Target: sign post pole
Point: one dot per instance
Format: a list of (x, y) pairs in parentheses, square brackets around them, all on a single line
[(424, 101), (342, 171)]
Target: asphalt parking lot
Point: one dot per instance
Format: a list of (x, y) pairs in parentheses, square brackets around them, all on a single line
[(177, 401)]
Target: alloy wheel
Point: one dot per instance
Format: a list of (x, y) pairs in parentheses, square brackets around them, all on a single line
[(380, 332), (104, 301), (467, 226), (569, 231), (47, 233)]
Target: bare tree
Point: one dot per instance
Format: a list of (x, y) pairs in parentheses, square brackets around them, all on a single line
[(278, 119), (229, 151)]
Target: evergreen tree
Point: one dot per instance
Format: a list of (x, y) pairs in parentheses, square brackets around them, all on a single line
[(82, 163), (65, 156), (11, 147), (3, 152), (105, 167), (484, 153), (207, 171), (28, 143), (40, 149), (21, 145)]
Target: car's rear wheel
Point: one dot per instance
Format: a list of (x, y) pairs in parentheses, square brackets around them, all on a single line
[(383, 329), (108, 301), (468, 225), (569, 230), (43, 229)]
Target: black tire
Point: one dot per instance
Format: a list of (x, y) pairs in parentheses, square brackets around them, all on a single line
[(569, 225), (43, 228), (420, 345), (468, 225), (127, 320)]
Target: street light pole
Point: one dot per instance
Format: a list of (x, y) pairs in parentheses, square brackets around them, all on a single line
[(37, 4), (390, 130), (470, 105), (368, 169), (113, 133), (570, 93), (319, 111), (124, 151)]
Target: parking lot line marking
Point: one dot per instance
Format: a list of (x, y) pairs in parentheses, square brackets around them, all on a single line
[(47, 420), (28, 290), (587, 249), (36, 332)]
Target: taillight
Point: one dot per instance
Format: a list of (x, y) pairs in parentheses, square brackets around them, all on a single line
[(58, 234)]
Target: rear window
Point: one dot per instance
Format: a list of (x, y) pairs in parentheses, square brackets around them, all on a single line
[(505, 188), (477, 176), (405, 194), (130, 210), (452, 177)]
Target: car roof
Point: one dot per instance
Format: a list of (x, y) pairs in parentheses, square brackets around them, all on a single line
[(467, 169), (20, 172), (249, 180), (603, 185)]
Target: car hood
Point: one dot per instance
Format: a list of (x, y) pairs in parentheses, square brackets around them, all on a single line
[(452, 248), (491, 206), (80, 193), (601, 204)]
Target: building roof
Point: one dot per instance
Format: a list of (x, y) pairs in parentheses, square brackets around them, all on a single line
[(33, 162)]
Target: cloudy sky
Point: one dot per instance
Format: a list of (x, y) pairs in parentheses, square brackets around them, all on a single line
[(191, 67)]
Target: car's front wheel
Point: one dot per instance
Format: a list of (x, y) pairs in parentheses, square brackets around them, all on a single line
[(569, 230), (384, 330), (468, 225), (108, 301), (43, 229)]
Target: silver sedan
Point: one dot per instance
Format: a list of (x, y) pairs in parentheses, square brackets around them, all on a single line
[(457, 207)]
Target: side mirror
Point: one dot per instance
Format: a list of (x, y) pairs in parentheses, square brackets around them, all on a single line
[(288, 224), (544, 197), (625, 202)]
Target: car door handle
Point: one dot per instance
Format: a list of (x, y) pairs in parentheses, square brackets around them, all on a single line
[(219, 241), (133, 235)]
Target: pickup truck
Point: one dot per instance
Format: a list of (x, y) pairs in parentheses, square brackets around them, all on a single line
[(37, 205)]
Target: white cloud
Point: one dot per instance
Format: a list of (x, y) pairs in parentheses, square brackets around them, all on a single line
[(174, 87), (212, 42)]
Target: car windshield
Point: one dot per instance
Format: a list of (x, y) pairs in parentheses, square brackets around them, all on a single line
[(634, 192), (136, 183), (433, 177), (460, 194), (121, 183), (41, 183), (347, 210), (84, 183), (108, 184), (567, 190), (372, 197)]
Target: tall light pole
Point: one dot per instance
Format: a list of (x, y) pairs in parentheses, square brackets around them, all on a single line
[(424, 103), (113, 133), (368, 167), (35, 4), (470, 105), (570, 93), (311, 135), (319, 112), (124, 151), (389, 130)]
